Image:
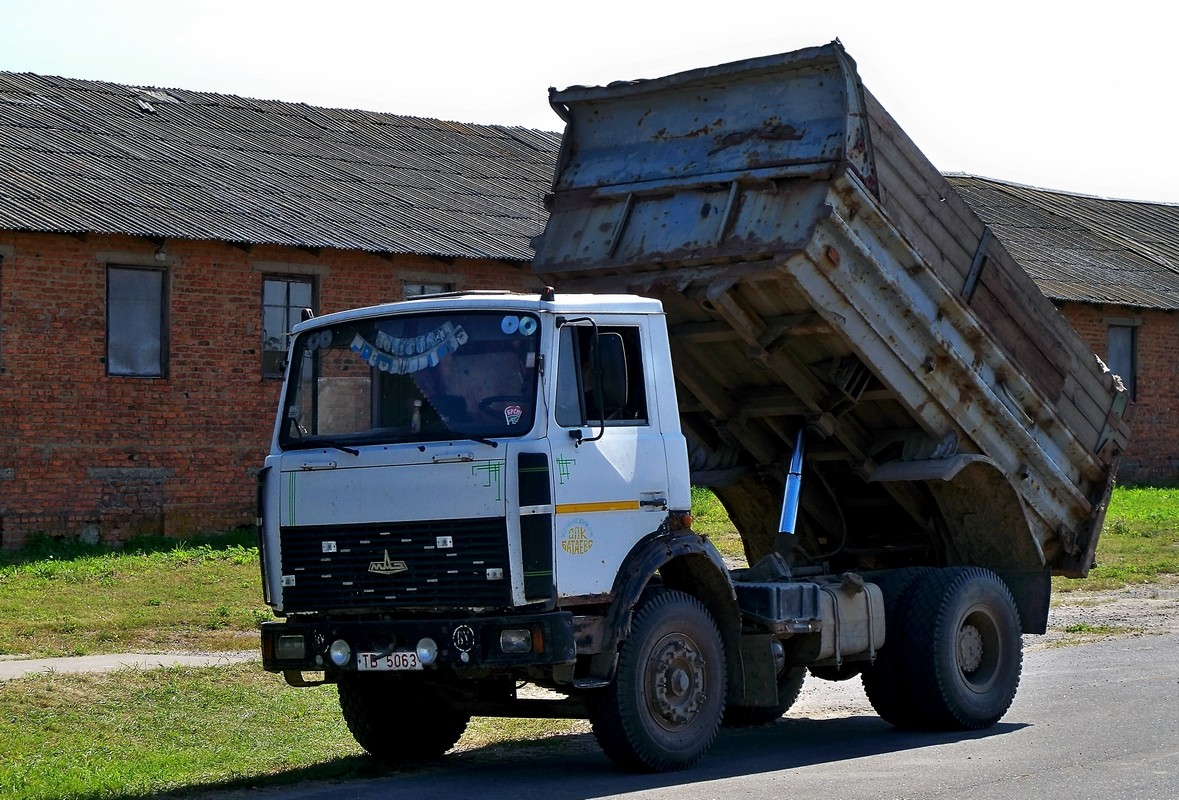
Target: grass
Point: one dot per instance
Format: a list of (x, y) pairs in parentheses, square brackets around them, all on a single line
[(1139, 543), (710, 518), (142, 733), (1085, 629), (68, 599)]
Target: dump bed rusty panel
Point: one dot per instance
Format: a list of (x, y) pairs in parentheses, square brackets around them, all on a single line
[(819, 274)]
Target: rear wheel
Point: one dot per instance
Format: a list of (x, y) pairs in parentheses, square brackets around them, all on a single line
[(886, 680), (399, 720), (664, 708), (964, 648)]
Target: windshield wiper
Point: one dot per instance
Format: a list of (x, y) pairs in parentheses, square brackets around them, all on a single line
[(352, 451), (460, 436), (472, 437)]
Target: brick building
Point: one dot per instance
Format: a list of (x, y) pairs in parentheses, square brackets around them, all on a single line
[(1112, 267), (155, 246)]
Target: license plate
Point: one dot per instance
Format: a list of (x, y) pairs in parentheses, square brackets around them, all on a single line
[(387, 662)]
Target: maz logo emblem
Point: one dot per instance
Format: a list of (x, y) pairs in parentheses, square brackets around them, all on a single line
[(387, 567)]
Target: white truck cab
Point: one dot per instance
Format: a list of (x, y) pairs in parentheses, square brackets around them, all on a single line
[(484, 451)]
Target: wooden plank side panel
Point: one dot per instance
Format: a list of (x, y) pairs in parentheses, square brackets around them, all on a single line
[(937, 220), (1042, 358), (925, 207)]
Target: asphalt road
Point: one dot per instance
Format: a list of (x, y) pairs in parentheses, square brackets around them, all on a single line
[(1095, 721)]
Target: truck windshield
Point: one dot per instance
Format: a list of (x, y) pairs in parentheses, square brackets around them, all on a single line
[(412, 377)]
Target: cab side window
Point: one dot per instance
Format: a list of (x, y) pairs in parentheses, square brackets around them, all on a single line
[(600, 378)]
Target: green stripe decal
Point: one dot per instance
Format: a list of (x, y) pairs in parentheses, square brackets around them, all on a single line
[(291, 498)]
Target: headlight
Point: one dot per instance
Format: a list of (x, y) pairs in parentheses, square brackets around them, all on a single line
[(427, 651), (515, 641), (340, 653), (290, 647)]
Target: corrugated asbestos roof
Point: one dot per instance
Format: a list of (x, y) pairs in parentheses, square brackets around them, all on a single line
[(82, 156), (1081, 248)]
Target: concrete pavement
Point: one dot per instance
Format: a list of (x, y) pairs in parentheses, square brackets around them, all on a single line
[(19, 667)]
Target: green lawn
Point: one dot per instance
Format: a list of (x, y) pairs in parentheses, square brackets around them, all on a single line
[(1139, 543), (139, 733), (709, 518), (155, 596)]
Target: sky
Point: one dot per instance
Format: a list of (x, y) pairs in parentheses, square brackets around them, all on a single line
[(1077, 96)]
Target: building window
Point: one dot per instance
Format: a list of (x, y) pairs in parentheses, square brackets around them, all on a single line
[(283, 301), (419, 289), (1122, 358), (136, 322)]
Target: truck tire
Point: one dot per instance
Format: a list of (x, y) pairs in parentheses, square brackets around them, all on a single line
[(663, 710), (722, 457), (886, 680), (964, 648), (373, 704), (789, 686)]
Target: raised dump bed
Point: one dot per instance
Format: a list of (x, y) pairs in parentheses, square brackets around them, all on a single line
[(820, 275)]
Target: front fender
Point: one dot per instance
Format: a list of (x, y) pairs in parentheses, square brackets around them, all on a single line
[(677, 559)]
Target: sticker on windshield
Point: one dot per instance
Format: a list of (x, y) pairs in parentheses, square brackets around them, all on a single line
[(512, 413), (522, 325), (398, 356), (319, 341)]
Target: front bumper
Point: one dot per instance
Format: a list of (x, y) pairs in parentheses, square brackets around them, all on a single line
[(462, 643)]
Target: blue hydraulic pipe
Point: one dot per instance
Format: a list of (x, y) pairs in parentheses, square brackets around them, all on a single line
[(793, 493)]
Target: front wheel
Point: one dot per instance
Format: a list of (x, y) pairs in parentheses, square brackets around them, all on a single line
[(964, 649), (664, 708), (397, 720)]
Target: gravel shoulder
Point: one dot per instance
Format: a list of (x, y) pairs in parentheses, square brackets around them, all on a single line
[(1143, 610)]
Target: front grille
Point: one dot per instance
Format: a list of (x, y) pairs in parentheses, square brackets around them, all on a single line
[(441, 564)]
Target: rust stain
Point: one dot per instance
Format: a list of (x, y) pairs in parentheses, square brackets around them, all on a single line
[(772, 131), (664, 135)]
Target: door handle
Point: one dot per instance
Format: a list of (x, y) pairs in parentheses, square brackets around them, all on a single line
[(312, 465)]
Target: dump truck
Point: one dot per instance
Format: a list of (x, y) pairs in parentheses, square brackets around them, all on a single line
[(750, 280)]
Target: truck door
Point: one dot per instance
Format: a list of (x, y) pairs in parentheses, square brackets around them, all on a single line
[(609, 466)]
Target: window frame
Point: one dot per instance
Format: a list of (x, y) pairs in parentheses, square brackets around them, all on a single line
[(161, 370), (1130, 329), (286, 280), (423, 288), (572, 369)]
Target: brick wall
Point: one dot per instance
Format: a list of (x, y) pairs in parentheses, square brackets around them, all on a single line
[(87, 454), (1153, 454)]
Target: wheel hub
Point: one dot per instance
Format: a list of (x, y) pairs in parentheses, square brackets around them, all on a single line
[(677, 677), (970, 649)]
